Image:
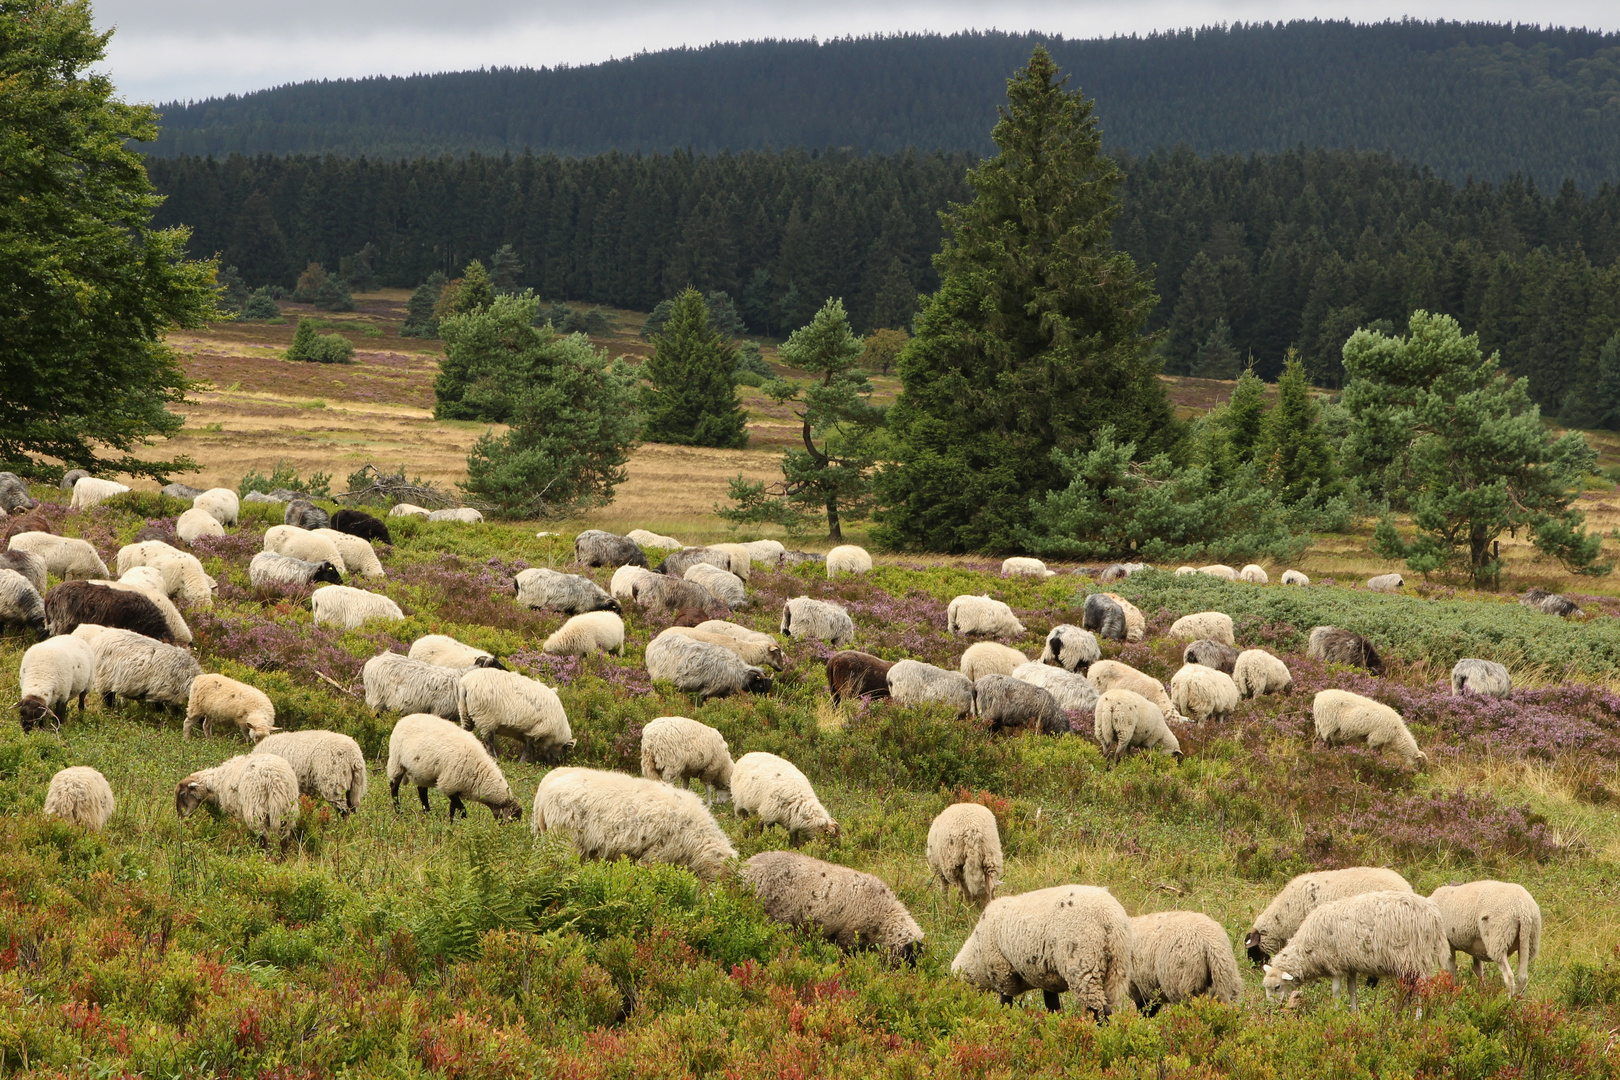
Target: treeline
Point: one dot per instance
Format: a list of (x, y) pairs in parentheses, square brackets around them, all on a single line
[(1467, 99)]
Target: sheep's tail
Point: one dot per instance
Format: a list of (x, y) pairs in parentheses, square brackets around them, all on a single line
[(357, 784), (973, 875), (649, 764), (1529, 945), (1225, 984)]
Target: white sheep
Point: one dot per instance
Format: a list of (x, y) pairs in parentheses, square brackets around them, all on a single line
[(1213, 625), (145, 578), (68, 557), (217, 699), (87, 632), (173, 621), (676, 749), (1202, 693), (1386, 583), (259, 790), (1178, 955), (134, 666), (848, 559), (348, 608), (304, 544), (653, 540), (329, 765), (820, 620), (493, 702), (219, 503), (723, 584), (359, 557), (852, 909), (1072, 691), (582, 635), (409, 510), (1183, 571), (1107, 675), (1254, 574), (442, 650), (1219, 570), (912, 682), (704, 669), (464, 514), (1294, 577), (982, 615), (766, 552), (1072, 937), (51, 675), (195, 524), (990, 658), (964, 850), (268, 568), (398, 683), (428, 751), (742, 560), (752, 650), (623, 585), (1135, 622), (82, 796), (1470, 676), (1071, 648), (20, 603), (569, 593), (1489, 920), (183, 576), (774, 790), (1343, 717), (1376, 933), (1020, 566), (1304, 894), (1123, 719), (88, 491), (612, 815), (1258, 672)]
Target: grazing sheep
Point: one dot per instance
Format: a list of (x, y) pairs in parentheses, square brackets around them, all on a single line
[(1019, 566), (741, 559), (87, 632), (1178, 955), (571, 594), (1073, 692), (178, 632), (1331, 645), (1183, 571), (180, 491), (329, 765), (464, 514), (68, 557), (1258, 672), (1072, 937), (348, 608), (303, 514), (195, 524), (428, 751), (80, 795), (722, 584), (1304, 894), (1211, 654), (398, 683), (658, 592), (495, 703), (88, 492), (676, 749), (359, 557), (819, 620), (1071, 648), (304, 544), (14, 497), (140, 668), (218, 699), (1201, 693), (1254, 574), (982, 615), (794, 558), (361, 524), (1489, 920), (220, 503), (912, 682), (990, 658), (1104, 617), (766, 552), (753, 651), (268, 568), (183, 577), (409, 510), (162, 531), (1375, 933), (27, 564), (1135, 623), (20, 603), (848, 559), (1213, 625), (1345, 717), (1294, 577), (1106, 675), (1538, 599), (774, 790), (697, 667), (442, 650), (854, 910), (1004, 702), (677, 563), (51, 675), (1219, 570), (612, 815), (1123, 719), (21, 523), (622, 587), (1484, 677), (854, 674), (593, 547), (964, 850), (70, 478), (107, 603), (259, 790), (594, 631), (643, 538), (1112, 573), (1386, 583)]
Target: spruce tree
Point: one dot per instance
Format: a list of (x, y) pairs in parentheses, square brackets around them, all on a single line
[(1606, 393), (690, 399), (419, 320), (1201, 306), (1293, 449), (505, 268), (1033, 341), (476, 293)]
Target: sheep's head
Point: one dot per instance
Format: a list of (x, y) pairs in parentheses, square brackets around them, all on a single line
[(556, 752), (758, 682), (775, 657), (1257, 951), (191, 793), (327, 572), (490, 662), (1277, 983), (609, 604), (32, 711), (511, 810)]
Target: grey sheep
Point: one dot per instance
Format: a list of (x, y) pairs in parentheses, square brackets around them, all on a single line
[(14, 493), (704, 669), (1004, 702), (397, 682), (1469, 676), (676, 564), (1104, 617), (181, 491), (658, 592), (20, 603), (912, 682), (70, 478), (819, 620), (1072, 648), (1538, 599), (1211, 654), (1072, 691), (1178, 955), (303, 514), (268, 568), (852, 909), (1331, 645), (571, 594), (1376, 933), (139, 668), (29, 565), (593, 547), (1072, 937)]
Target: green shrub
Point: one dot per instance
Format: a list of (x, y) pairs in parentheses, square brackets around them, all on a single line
[(282, 475), (319, 348)]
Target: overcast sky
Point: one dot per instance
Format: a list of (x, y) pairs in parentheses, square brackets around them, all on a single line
[(167, 50)]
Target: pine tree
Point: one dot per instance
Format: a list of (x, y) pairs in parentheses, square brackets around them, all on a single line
[(334, 295), (1202, 304), (233, 291), (309, 283), (419, 320), (505, 268), (476, 291), (1293, 449), (359, 271), (1244, 418), (1033, 341), (1218, 358), (1606, 393), (690, 399)]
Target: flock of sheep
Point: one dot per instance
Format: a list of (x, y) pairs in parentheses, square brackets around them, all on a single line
[(127, 638)]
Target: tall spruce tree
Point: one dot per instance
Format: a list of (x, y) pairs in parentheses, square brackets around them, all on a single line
[(1293, 449), (690, 399), (1033, 341), (419, 320)]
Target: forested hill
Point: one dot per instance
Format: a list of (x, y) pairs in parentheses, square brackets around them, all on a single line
[(1466, 99)]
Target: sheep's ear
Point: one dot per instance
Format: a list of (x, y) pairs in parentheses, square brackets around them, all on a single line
[(1266, 968), (1287, 977)]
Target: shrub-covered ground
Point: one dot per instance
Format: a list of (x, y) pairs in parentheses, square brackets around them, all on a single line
[(405, 944)]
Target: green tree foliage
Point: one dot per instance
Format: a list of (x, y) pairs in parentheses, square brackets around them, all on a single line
[(723, 316), (261, 306), (333, 295), (505, 269), (1440, 430), (315, 348), (359, 271), (474, 291), (90, 287), (233, 291), (1293, 448), (419, 318), (310, 283), (1231, 434), (1606, 394), (883, 349), (690, 399), (1033, 340)]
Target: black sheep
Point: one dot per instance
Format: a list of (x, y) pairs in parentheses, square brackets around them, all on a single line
[(74, 603), (361, 524)]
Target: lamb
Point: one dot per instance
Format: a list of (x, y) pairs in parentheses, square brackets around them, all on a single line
[(14, 496), (848, 559), (1213, 625), (1294, 577), (964, 850), (217, 698), (854, 910), (593, 547), (990, 658), (1489, 920), (1258, 672), (1124, 719), (329, 765), (183, 576), (361, 524), (612, 814), (268, 568), (20, 602), (1219, 570), (722, 584), (88, 492), (495, 703), (408, 510), (677, 563), (51, 675), (1375, 933), (1177, 955), (220, 503), (1072, 692), (359, 557), (1331, 645), (1135, 624), (304, 544), (259, 790), (571, 594), (195, 524), (1072, 937), (80, 795), (594, 631), (1485, 677), (1304, 894), (853, 674), (643, 538), (982, 615), (442, 650), (1104, 617), (697, 667), (1004, 702), (676, 749), (303, 514), (1201, 693), (660, 593), (1071, 648), (753, 651), (348, 608), (1211, 654), (766, 552), (1345, 717), (1106, 675), (622, 587), (774, 790), (1538, 599), (429, 751), (1254, 574), (70, 478), (1019, 566), (741, 559), (107, 603), (29, 565), (398, 683), (69, 558), (912, 682), (141, 668), (820, 620), (1385, 583)]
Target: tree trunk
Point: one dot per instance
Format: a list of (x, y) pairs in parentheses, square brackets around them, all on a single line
[(834, 532)]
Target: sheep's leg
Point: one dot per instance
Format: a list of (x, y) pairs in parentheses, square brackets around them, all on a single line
[(1053, 1000), (421, 793), (393, 789), (528, 750), (108, 700), (82, 695), (489, 744), (1338, 984), (1007, 999), (1451, 963), (1507, 974), (456, 807), (1352, 979)]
